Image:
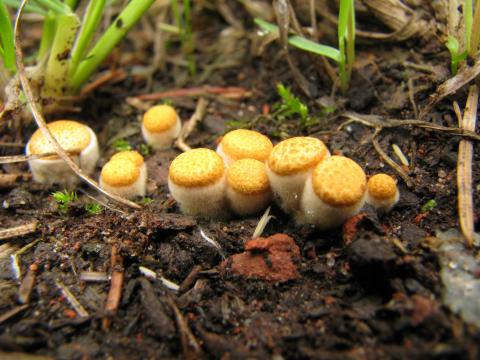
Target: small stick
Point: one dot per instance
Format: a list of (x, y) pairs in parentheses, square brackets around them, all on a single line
[(232, 92), (11, 313), (10, 180), (72, 300), (389, 160), (187, 129), (21, 230), (104, 78), (190, 279), (11, 159), (464, 168), (190, 346), (26, 287), (116, 285)]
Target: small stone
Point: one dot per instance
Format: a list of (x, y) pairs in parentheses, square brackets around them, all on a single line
[(271, 259)]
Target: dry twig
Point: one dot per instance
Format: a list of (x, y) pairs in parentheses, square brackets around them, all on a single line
[(19, 230), (464, 168), (187, 128), (115, 293), (11, 313), (72, 300)]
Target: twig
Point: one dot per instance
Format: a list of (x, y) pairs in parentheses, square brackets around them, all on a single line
[(187, 129), (389, 160), (463, 77), (41, 123), (10, 180), (231, 92), (72, 300), (375, 121), (11, 313), (17, 270), (19, 230), (104, 78), (115, 293), (22, 158), (26, 287), (190, 279), (103, 203), (190, 346), (464, 168)]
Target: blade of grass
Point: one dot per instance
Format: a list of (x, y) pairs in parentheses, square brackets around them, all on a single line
[(468, 19), (6, 40), (56, 6), (112, 36), (351, 39), (32, 7), (188, 38), (48, 34), (56, 74), (302, 43), (475, 39), (92, 17)]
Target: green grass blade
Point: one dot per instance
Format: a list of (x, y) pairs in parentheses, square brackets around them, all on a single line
[(32, 7), (455, 55), (56, 74), (6, 40), (92, 17), (475, 39), (48, 34), (302, 43), (343, 13), (112, 36), (468, 18), (56, 6)]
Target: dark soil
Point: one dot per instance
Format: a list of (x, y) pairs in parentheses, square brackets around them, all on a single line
[(369, 290)]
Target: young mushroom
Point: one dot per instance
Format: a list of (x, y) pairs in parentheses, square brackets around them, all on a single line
[(382, 192), (333, 193), (248, 188), (196, 180), (244, 144), (290, 164), (125, 175), (76, 139), (161, 126)]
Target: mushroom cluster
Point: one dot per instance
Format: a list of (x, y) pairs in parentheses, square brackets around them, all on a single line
[(246, 172), (125, 174)]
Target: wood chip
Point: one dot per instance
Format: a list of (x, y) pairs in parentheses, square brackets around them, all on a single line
[(19, 230)]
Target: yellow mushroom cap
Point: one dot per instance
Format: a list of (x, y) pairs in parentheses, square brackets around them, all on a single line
[(296, 154), (197, 167), (339, 181), (131, 155), (160, 118), (72, 136), (243, 144), (120, 172), (248, 176), (382, 187)]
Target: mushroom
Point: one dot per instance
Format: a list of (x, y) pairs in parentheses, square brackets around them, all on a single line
[(161, 126), (382, 192), (248, 188), (290, 164), (333, 193), (125, 175), (75, 138), (244, 144), (196, 180)]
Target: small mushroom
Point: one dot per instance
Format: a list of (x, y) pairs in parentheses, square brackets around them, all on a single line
[(382, 192), (248, 188), (75, 138), (196, 180), (290, 164), (161, 126), (333, 193), (125, 175), (244, 144)]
